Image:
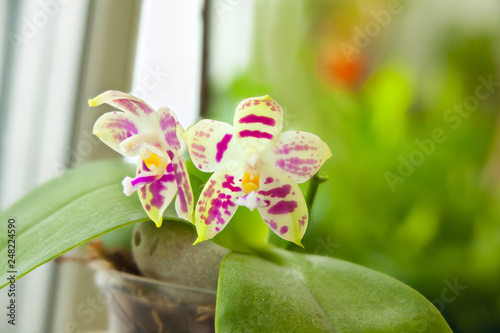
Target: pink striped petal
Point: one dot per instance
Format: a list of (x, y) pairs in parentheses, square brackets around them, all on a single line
[(284, 209), (217, 203), (212, 145), (125, 102), (185, 201), (155, 196), (173, 136), (115, 127), (170, 128), (126, 131), (258, 122), (298, 154)]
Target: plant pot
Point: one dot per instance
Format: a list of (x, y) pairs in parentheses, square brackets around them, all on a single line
[(139, 304)]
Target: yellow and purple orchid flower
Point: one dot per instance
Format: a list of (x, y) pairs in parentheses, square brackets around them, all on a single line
[(156, 137), (254, 165)]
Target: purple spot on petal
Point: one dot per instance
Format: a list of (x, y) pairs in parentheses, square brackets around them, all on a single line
[(169, 178), (298, 166), (290, 147), (280, 163), (302, 221), (271, 224), (252, 118), (184, 193), (198, 147), (255, 134), (278, 192), (269, 180), (222, 147), (283, 229), (158, 200), (143, 192), (122, 128), (283, 207), (198, 155), (136, 107), (168, 122), (229, 184)]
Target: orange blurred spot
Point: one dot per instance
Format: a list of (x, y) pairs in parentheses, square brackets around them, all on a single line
[(337, 70)]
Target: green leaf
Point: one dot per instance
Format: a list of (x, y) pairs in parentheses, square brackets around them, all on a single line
[(292, 292), (82, 204)]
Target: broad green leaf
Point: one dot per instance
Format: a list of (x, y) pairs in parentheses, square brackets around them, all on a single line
[(82, 204), (292, 292)]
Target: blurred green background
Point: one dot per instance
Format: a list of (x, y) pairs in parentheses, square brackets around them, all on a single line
[(407, 96)]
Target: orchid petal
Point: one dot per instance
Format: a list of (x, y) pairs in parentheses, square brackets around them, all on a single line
[(173, 136), (285, 210), (184, 201), (211, 145), (170, 128), (125, 102), (115, 127), (258, 122), (217, 203), (298, 154), (156, 195)]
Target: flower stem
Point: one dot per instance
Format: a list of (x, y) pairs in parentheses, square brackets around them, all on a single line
[(313, 188)]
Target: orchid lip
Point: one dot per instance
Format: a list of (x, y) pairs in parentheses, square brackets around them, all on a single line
[(251, 201)]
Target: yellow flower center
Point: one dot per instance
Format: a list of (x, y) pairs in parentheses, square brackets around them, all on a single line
[(250, 182), (251, 176), (152, 159), (156, 163)]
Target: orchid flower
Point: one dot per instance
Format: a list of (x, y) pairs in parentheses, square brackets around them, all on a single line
[(255, 166), (156, 137)]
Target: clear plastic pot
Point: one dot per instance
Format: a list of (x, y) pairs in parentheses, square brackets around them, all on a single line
[(139, 304)]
